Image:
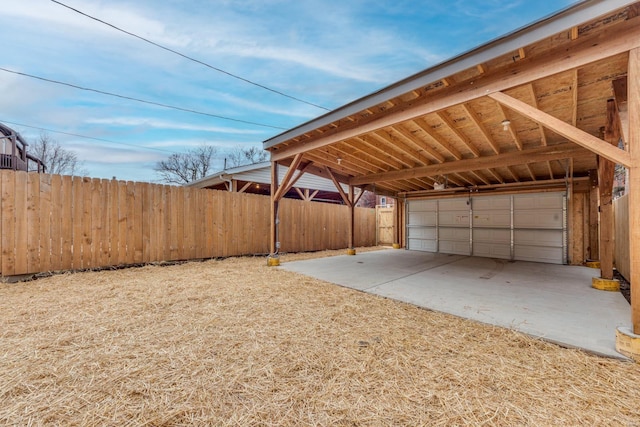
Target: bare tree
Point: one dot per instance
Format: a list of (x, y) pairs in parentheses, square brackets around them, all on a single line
[(56, 159), (368, 200), (182, 168), (240, 156)]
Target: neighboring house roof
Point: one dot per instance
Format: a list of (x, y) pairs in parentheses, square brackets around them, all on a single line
[(260, 173)]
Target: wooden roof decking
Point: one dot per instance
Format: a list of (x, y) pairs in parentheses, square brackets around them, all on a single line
[(452, 129)]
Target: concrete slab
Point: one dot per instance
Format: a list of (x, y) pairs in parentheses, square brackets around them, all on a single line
[(553, 302)]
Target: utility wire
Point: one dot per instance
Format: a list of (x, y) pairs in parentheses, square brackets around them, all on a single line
[(86, 137), (192, 59), (138, 100)]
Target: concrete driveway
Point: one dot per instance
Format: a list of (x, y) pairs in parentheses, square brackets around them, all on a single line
[(553, 302)]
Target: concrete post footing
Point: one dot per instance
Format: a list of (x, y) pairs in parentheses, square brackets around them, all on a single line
[(628, 343), (592, 264), (601, 284)]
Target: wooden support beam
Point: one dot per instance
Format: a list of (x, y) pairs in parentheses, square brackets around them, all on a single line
[(530, 186), (303, 196), (611, 42), (606, 170), (534, 155), (295, 179), (344, 196), (594, 234), (287, 177), (274, 244), (244, 187), (634, 184), (574, 94), (352, 216), (357, 199), (620, 95), (565, 129)]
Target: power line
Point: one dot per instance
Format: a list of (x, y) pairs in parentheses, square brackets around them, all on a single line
[(86, 137), (138, 99), (192, 59)]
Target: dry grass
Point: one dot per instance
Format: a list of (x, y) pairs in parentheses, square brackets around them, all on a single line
[(235, 342)]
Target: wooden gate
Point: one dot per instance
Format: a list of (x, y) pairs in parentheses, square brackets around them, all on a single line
[(384, 221)]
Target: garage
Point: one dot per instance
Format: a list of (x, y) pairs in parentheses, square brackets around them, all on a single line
[(523, 227)]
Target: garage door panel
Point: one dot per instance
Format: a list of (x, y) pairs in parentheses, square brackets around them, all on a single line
[(502, 203), (453, 218), (491, 218), (461, 234), (453, 205), (492, 235), (492, 243), (422, 218), (454, 247), (422, 233), (538, 219), (538, 201), (538, 254), (492, 250), (546, 238), (422, 245), (423, 206)]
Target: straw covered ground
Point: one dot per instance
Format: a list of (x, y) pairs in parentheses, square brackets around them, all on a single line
[(234, 342)]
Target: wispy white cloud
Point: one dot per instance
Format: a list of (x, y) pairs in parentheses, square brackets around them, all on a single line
[(164, 124), (63, 18)]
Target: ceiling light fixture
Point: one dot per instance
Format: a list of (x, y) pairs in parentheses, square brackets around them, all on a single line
[(505, 125), (339, 160)]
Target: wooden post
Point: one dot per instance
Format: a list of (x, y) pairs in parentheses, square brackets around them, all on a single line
[(594, 248), (633, 100), (397, 224), (606, 169), (352, 210), (273, 237)]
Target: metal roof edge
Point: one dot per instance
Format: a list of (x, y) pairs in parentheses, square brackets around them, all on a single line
[(215, 178), (564, 19)]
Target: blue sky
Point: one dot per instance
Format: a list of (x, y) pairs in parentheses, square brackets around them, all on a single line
[(324, 52)]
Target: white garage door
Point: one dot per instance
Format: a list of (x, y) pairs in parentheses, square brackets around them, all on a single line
[(528, 227)]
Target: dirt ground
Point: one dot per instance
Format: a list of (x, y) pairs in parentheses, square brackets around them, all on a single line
[(234, 342)]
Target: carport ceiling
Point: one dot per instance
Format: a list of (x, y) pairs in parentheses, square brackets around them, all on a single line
[(493, 116)]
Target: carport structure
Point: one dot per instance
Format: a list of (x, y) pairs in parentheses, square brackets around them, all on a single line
[(548, 109)]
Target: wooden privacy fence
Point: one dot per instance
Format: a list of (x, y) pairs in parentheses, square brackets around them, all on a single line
[(53, 222), (621, 250)]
